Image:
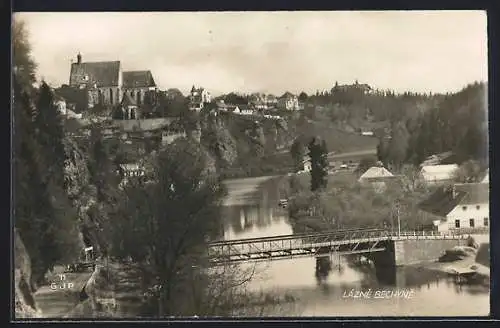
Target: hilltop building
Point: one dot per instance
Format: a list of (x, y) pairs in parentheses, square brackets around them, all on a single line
[(105, 83), (198, 98)]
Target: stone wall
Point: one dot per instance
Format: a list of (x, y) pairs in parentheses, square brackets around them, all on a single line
[(414, 251)]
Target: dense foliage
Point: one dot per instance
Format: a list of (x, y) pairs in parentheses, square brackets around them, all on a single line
[(319, 164), (43, 214)]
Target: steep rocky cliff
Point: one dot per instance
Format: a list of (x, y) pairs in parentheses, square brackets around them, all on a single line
[(25, 305), (233, 140), (77, 181)]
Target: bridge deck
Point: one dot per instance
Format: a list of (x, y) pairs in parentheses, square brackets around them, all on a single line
[(319, 244)]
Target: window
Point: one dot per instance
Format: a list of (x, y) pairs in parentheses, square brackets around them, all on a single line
[(485, 223), (464, 207), (457, 223), (471, 223), (478, 207)]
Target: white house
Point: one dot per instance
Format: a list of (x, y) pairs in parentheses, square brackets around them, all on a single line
[(245, 110), (460, 207), (375, 176), (198, 97), (234, 109), (438, 174), (288, 101), (367, 133)]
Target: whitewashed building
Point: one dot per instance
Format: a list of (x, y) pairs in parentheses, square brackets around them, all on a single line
[(375, 176), (459, 207), (438, 174)]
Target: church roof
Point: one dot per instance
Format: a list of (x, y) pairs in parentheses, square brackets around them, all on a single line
[(138, 79), (102, 74)]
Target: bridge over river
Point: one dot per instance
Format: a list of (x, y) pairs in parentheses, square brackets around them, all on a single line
[(381, 246)]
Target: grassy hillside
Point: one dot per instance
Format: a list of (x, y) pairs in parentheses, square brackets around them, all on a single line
[(336, 139)]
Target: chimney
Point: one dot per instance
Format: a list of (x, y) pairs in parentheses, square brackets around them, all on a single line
[(453, 192), (79, 58)]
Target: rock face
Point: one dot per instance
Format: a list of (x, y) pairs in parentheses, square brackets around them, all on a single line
[(25, 305), (77, 181), (219, 141)]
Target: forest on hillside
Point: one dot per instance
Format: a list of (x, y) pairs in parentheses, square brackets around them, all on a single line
[(414, 126)]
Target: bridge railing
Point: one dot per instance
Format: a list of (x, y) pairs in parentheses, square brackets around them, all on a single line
[(288, 243)]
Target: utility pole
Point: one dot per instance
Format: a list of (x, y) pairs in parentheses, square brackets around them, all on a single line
[(399, 221)]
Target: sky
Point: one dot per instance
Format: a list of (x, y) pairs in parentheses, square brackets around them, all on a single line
[(271, 52)]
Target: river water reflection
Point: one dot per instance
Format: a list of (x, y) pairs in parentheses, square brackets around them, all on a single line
[(251, 210)]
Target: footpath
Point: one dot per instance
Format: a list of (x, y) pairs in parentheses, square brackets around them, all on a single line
[(62, 293)]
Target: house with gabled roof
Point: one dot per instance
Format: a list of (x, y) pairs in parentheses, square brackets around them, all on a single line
[(288, 101), (463, 206), (198, 98), (376, 177), (438, 174)]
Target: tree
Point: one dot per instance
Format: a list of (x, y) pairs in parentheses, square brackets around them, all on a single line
[(43, 214), (468, 172), (398, 145), (168, 220), (50, 134), (318, 153), (297, 151), (303, 96), (22, 62)]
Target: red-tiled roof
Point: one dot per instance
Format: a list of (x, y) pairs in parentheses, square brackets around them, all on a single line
[(138, 79), (103, 74)]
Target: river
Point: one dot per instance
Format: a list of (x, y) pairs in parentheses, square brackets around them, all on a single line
[(251, 210)]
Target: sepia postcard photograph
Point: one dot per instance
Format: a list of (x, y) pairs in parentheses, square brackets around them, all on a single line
[(195, 165)]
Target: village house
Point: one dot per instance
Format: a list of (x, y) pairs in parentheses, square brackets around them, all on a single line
[(245, 110), (438, 174), (376, 177), (288, 101), (438, 159), (271, 101), (130, 171), (459, 207), (198, 98)]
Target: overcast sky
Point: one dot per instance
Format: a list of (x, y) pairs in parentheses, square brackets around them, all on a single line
[(271, 52)]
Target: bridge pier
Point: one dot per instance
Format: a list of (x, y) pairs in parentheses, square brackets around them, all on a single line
[(398, 253)]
